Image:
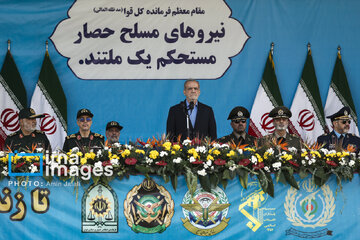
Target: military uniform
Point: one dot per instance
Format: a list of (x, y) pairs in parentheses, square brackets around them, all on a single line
[(281, 112), (238, 114), (20, 142), (249, 140), (94, 141), (291, 140), (332, 142)]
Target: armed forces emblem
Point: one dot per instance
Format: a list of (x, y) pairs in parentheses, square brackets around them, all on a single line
[(205, 213), (148, 208), (310, 207)]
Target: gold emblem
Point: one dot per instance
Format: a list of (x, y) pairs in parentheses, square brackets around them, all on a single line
[(346, 113), (32, 111), (240, 114), (280, 112)]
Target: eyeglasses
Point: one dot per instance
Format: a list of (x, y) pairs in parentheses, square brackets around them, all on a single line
[(346, 121), (88, 119), (238, 121)]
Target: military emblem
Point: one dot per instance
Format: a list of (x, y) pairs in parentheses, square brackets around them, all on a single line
[(148, 208), (311, 207), (280, 112), (205, 213), (240, 113), (99, 210), (253, 208), (346, 113)]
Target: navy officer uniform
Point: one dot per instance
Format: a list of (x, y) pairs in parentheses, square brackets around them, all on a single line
[(21, 142), (93, 141), (238, 115), (338, 141)]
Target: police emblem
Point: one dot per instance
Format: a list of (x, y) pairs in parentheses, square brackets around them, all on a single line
[(310, 207), (148, 208), (205, 213), (100, 210), (253, 208)]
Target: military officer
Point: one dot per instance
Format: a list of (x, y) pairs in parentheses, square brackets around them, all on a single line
[(238, 117), (339, 138), (27, 137), (281, 117), (85, 140), (112, 133)]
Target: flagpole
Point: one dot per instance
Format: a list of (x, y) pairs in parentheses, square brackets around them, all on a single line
[(8, 42), (339, 49), (46, 45), (272, 48)]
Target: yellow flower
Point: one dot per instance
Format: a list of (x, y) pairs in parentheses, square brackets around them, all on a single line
[(140, 151), (216, 152), (114, 156), (176, 147), (287, 157), (173, 152), (258, 157), (249, 149), (90, 155), (80, 154), (231, 153), (125, 153), (304, 154), (193, 152), (167, 146), (209, 157), (154, 154), (4, 159), (83, 161), (29, 158)]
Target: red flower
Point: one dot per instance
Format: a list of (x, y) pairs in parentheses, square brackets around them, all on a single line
[(196, 141), (130, 161), (331, 163), (244, 162), (161, 163), (106, 163), (38, 164), (294, 163), (198, 162), (258, 166), (219, 162), (20, 165)]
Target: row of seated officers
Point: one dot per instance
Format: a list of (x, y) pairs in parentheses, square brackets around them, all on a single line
[(85, 140), (188, 119)]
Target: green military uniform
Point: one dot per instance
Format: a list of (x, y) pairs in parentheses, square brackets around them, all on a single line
[(249, 140), (291, 140), (94, 141), (20, 142)]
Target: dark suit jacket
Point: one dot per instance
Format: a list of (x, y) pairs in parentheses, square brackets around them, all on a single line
[(205, 124), (331, 141)]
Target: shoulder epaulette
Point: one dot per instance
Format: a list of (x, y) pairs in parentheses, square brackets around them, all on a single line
[(71, 136), (38, 131), (13, 134), (98, 135)]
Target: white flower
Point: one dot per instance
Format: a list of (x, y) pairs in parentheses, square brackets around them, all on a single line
[(232, 167), (209, 162), (324, 150), (98, 164), (293, 149), (147, 145), (314, 160), (186, 142), (148, 160), (206, 166), (2, 154), (212, 168), (310, 162), (128, 146), (303, 162), (74, 168), (177, 160), (202, 172), (114, 161), (276, 165), (306, 158), (240, 151), (342, 162), (332, 152), (192, 159), (283, 153), (267, 168), (33, 168), (216, 145), (75, 150), (163, 153), (351, 163), (98, 154), (117, 145), (107, 148), (225, 146), (201, 149), (39, 150), (253, 159), (270, 150)]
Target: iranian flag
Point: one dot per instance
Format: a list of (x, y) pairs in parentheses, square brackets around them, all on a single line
[(49, 98), (12, 98), (307, 121), (339, 95), (267, 97)]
